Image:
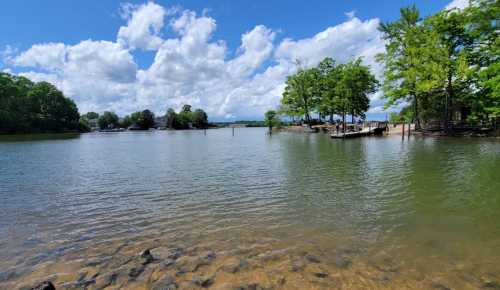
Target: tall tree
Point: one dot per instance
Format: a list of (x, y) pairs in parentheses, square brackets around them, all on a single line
[(301, 92), (271, 119), (401, 59), (108, 120), (329, 79), (200, 119)]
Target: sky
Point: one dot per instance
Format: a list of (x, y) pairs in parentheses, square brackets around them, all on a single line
[(230, 58)]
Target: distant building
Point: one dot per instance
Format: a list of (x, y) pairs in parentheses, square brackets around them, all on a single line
[(93, 124), (160, 122)]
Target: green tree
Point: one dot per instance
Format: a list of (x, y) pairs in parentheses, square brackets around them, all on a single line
[(108, 120), (271, 119), (91, 115), (401, 59), (34, 107), (185, 117), (51, 111), (301, 93), (330, 74), (126, 122), (146, 120), (482, 27), (200, 119), (171, 119)]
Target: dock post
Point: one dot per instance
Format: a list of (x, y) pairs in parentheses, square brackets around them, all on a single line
[(403, 132), (409, 129), (205, 132), (233, 131)]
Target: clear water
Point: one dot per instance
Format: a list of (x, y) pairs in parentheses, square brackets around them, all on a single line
[(427, 207)]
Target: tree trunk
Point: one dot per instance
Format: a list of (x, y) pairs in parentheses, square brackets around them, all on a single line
[(448, 102), (343, 122), (416, 113)]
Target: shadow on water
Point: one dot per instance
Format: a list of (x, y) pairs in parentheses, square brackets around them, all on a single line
[(39, 137)]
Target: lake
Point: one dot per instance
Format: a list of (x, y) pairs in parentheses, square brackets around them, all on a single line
[(249, 211)]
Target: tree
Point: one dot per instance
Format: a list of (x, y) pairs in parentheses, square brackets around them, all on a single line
[(482, 28), (355, 84), (445, 65), (401, 59), (108, 120), (302, 93), (126, 122), (328, 85), (271, 119), (200, 119), (91, 115), (50, 110), (185, 118), (146, 120), (171, 120), (455, 44)]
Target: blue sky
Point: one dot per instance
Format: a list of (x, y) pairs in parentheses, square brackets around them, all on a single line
[(128, 56)]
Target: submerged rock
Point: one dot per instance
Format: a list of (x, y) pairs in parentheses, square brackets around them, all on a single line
[(135, 272), (167, 283), (234, 266), (297, 266), (47, 285), (146, 257), (106, 280), (342, 261), (311, 258), (320, 274), (203, 281)]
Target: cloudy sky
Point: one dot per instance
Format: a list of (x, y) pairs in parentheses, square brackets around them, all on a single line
[(228, 57)]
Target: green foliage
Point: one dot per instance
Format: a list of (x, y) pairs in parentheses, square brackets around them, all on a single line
[(301, 93), (91, 115), (143, 119), (83, 125), (108, 120), (34, 107), (126, 122), (186, 119), (329, 89), (200, 119), (445, 63), (271, 119)]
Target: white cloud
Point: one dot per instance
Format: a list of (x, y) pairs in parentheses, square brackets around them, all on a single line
[(460, 4), (191, 67), (143, 26), (48, 55)]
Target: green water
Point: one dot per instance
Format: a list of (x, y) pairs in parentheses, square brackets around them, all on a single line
[(432, 204)]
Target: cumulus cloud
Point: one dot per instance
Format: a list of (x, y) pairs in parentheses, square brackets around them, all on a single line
[(144, 24), (49, 56), (191, 67), (460, 4)]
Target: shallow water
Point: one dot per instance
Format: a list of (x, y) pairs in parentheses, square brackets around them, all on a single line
[(287, 211)]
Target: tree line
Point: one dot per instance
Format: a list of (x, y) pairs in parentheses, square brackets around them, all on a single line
[(27, 106), (186, 119), (444, 67), (329, 89), (144, 120)]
